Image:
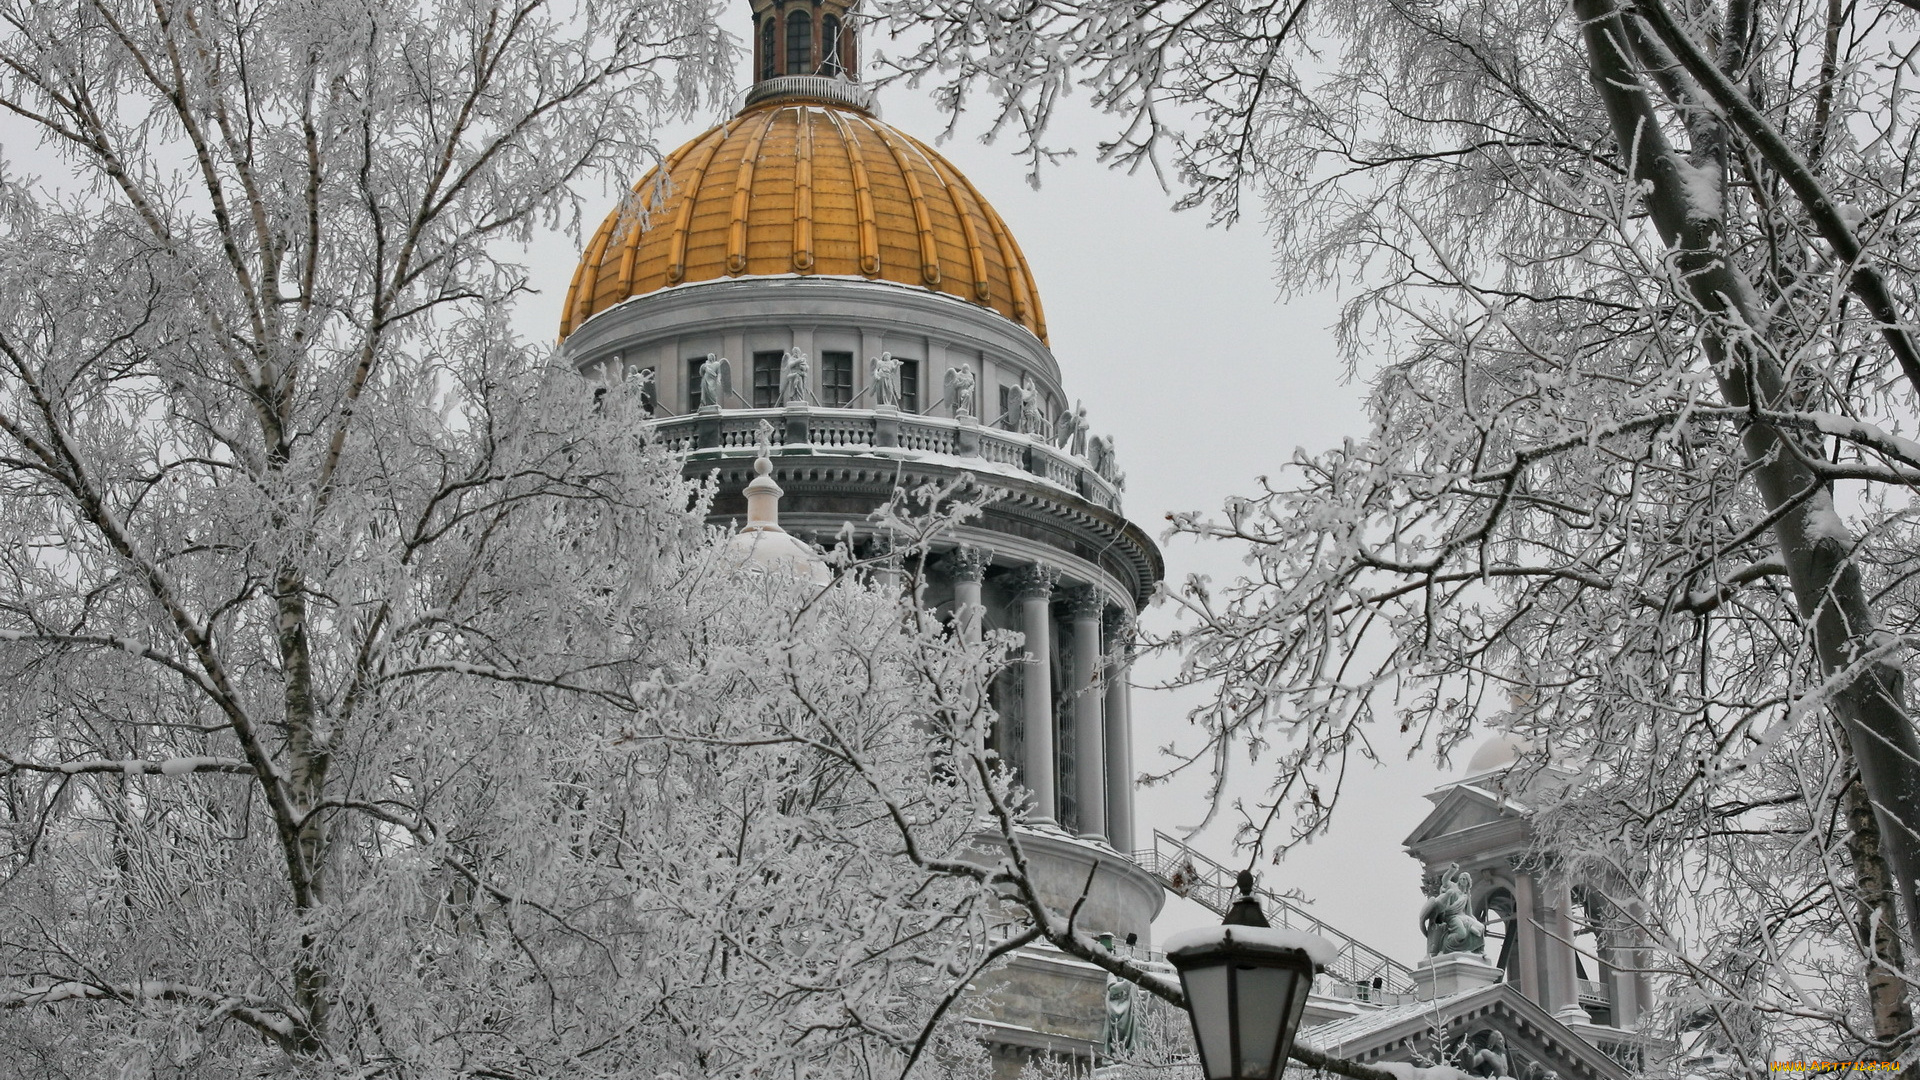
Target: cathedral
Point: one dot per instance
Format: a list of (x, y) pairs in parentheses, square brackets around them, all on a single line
[(811, 270)]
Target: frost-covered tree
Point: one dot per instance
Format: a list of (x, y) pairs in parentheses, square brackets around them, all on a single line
[(1638, 278), (373, 701)]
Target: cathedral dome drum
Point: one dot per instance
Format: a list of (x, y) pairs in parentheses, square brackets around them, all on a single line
[(818, 308)]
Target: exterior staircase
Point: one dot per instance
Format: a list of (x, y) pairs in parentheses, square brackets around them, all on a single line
[(1186, 872)]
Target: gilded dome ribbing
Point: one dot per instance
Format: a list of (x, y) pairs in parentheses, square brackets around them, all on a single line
[(807, 187)]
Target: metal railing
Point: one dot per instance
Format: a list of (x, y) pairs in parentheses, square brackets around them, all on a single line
[(1186, 872), (818, 87)]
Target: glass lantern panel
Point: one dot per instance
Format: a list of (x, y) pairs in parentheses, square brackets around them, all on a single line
[(1265, 1004), (1207, 1004)]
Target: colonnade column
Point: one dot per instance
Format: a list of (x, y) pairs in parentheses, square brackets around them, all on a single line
[(966, 567), (886, 570), (1626, 955), (1085, 606), (1033, 585), (1563, 981), (1526, 944), (1119, 721)]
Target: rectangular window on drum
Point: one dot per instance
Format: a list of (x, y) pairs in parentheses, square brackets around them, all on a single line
[(910, 386), (766, 379), (1007, 419), (836, 378)]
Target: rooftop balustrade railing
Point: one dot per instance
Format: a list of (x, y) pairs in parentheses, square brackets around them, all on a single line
[(887, 432)]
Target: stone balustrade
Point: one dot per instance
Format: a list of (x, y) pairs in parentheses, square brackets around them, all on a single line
[(885, 432)]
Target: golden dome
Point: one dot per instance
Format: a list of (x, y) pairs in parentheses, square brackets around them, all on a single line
[(809, 187)]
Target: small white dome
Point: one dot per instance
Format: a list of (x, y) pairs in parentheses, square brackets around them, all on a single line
[(776, 551), (762, 544), (1498, 753)]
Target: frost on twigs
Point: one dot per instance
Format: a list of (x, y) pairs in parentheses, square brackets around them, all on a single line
[(1637, 484), (373, 699)]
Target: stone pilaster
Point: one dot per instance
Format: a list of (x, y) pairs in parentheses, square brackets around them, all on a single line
[(1085, 607), (1033, 585), (886, 562)]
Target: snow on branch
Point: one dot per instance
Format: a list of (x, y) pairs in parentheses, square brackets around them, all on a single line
[(264, 1016), (177, 766)]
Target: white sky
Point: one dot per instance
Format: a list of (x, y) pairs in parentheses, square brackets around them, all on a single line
[(1172, 333)]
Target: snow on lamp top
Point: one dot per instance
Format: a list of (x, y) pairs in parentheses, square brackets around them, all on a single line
[(1264, 938)]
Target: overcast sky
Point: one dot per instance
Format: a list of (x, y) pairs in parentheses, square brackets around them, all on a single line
[(1173, 335)]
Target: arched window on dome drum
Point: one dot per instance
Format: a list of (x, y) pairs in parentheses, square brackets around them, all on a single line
[(830, 46), (799, 43), (767, 55)]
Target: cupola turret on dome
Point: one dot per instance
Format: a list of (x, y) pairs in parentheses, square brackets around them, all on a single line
[(803, 39)]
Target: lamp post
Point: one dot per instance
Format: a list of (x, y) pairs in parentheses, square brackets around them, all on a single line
[(1246, 983)]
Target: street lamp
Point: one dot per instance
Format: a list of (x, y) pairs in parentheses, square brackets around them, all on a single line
[(1246, 983)]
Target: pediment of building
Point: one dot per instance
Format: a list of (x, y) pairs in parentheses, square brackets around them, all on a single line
[(1454, 1029), (1467, 820)]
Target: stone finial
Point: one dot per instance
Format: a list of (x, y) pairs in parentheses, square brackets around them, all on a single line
[(1034, 581)]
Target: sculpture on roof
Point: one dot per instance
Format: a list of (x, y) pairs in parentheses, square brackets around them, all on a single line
[(1032, 418), (794, 376), (1444, 919), (886, 380), (960, 393), (1100, 455), (713, 380), (1491, 1059), (1070, 431)]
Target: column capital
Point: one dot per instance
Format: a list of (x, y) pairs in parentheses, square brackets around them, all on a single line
[(964, 563), (1085, 602), (1034, 581)]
